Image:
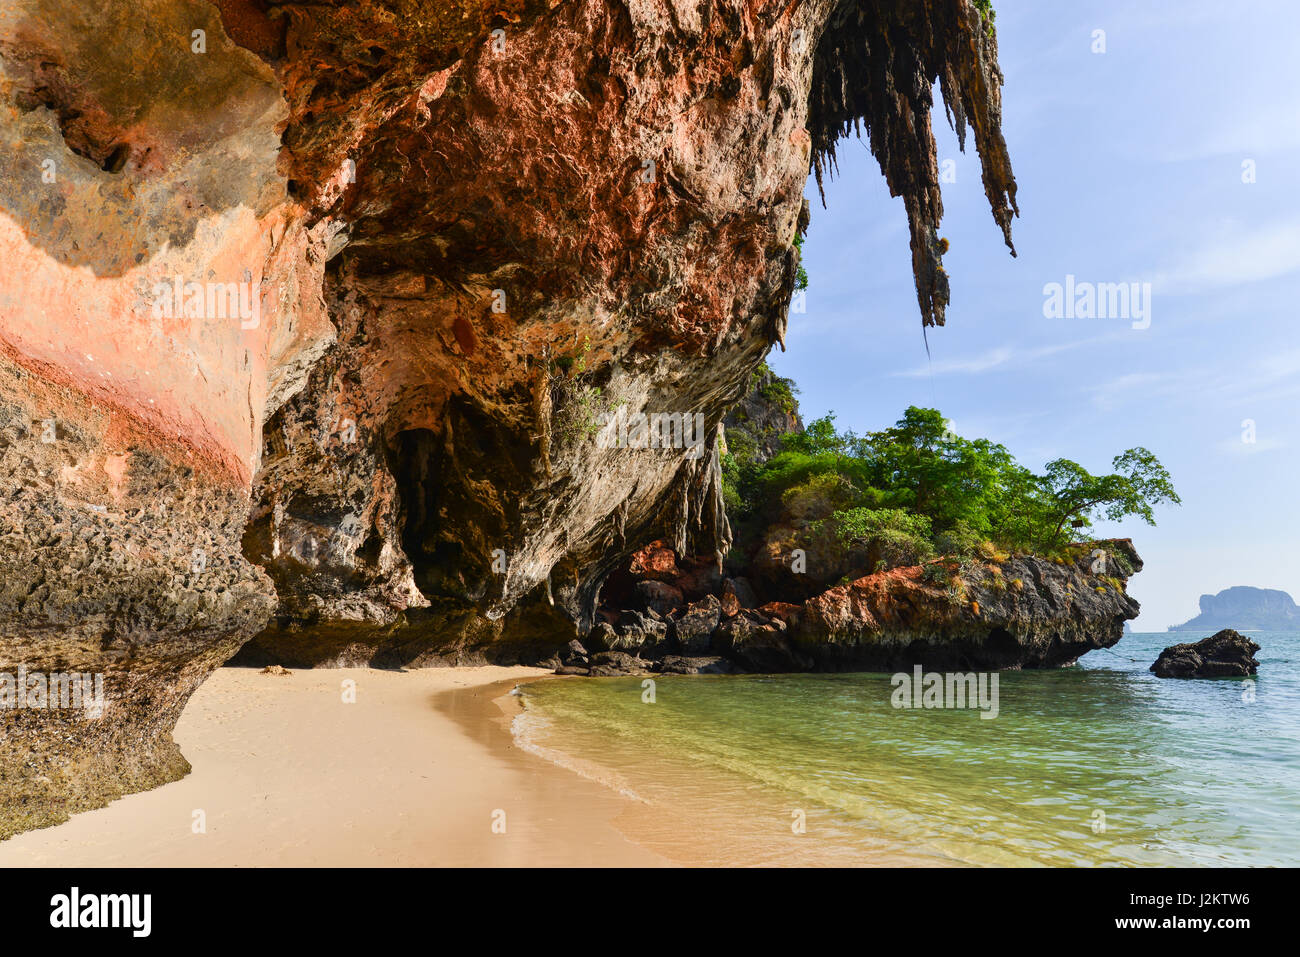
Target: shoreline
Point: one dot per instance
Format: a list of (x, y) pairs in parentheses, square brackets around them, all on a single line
[(421, 770), (702, 815)]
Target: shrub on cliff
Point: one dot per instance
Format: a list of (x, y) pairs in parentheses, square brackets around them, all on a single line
[(906, 493), (891, 536)]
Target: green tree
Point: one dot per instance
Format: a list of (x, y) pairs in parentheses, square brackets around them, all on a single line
[(932, 471), (1076, 497), (918, 487)]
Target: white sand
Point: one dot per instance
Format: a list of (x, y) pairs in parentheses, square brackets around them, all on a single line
[(288, 774)]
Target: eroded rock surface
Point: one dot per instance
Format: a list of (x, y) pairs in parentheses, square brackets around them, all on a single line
[(1024, 612), (1225, 654), (1010, 612), (130, 427), (325, 304)]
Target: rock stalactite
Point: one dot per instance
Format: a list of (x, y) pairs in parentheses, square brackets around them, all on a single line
[(879, 72)]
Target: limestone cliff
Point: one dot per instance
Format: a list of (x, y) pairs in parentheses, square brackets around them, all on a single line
[(310, 313), (1000, 612), (754, 427), (1019, 612), (1254, 609)]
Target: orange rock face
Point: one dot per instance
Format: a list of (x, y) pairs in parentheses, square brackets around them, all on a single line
[(312, 317), (656, 561)]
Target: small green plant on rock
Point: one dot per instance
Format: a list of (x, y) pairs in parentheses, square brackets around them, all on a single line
[(936, 574), (578, 406)]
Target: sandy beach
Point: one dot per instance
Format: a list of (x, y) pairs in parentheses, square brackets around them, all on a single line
[(420, 770)]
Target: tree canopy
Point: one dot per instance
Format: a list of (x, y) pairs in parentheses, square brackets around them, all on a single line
[(918, 488)]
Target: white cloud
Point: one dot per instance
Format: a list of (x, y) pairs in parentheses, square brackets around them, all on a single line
[(1235, 258), (1118, 392), (1260, 383), (1005, 355), (1238, 447)]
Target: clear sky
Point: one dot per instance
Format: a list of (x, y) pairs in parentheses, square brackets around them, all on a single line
[(1130, 169)]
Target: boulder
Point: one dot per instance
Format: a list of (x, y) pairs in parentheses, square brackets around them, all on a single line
[(759, 643), (659, 597), (574, 655), (602, 636), (702, 665), (695, 627), (1226, 654), (743, 590), (639, 631), (781, 610), (611, 664)]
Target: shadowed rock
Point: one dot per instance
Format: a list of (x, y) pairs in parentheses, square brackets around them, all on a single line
[(1227, 654)]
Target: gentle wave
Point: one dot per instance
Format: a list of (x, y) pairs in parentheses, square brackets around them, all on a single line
[(1102, 764), (528, 727)]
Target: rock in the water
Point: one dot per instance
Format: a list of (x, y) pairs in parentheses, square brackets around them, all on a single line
[(1227, 654), (993, 612), (1024, 612)]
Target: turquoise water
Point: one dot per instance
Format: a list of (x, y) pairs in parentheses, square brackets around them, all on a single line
[(1101, 763)]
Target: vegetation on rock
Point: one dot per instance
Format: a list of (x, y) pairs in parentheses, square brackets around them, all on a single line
[(907, 493), (800, 274)]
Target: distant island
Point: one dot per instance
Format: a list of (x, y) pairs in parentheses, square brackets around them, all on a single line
[(1245, 609)]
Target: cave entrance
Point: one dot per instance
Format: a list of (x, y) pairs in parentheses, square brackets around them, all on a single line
[(417, 461)]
